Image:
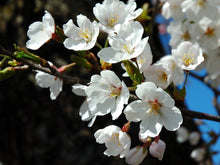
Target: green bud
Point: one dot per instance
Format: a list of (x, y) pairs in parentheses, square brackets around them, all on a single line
[(133, 72), (24, 54), (6, 73)]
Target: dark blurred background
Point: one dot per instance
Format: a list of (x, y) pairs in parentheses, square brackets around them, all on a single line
[(37, 131)]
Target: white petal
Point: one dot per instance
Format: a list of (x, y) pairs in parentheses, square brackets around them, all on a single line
[(56, 88), (44, 80), (150, 126), (171, 119), (135, 111), (79, 89)]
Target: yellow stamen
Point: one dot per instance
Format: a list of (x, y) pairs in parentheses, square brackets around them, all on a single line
[(188, 59), (112, 20), (85, 34), (162, 75), (115, 138), (155, 107)]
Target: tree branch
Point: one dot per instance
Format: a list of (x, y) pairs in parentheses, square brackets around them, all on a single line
[(49, 69), (199, 115)]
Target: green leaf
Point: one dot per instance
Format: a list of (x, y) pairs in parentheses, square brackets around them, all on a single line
[(81, 61), (133, 72)]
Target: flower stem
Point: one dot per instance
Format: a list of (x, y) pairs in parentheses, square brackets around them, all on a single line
[(98, 45), (187, 74), (106, 43)]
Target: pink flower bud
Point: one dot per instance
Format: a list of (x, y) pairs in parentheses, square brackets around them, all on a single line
[(136, 155), (157, 149)]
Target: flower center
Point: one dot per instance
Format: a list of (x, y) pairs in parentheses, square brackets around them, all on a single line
[(210, 32), (186, 36), (188, 59), (201, 2), (155, 106), (85, 34), (162, 75), (127, 48), (115, 138), (115, 91), (112, 20)]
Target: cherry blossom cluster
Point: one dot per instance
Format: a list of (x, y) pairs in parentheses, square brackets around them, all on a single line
[(153, 107), (197, 21)]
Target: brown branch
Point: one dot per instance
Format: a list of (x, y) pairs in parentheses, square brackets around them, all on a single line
[(199, 115), (49, 69)]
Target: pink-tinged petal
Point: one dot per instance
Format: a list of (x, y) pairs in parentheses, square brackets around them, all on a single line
[(171, 118), (157, 149)]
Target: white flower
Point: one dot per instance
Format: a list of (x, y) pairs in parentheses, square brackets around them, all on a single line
[(182, 134), (144, 60), (45, 80), (176, 72), (198, 154), (181, 31), (194, 138), (126, 44), (172, 9), (83, 37), (114, 12), (155, 110), (107, 94), (199, 8), (187, 55), (40, 32), (136, 155), (210, 33), (84, 111), (157, 149), (116, 141), (160, 74)]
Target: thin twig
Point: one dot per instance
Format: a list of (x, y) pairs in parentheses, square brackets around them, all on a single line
[(49, 69)]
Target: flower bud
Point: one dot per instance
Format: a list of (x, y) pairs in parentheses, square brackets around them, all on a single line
[(157, 149), (194, 138), (136, 155), (182, 134), (198, 154)]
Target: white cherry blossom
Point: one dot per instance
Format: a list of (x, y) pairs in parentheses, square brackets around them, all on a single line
[(136, 155), (188, 55), (45, 80), (126, 44), (83, 37), (116, 141), (155, 110), (84, 110), (160, 74), (107, 94), (182, 134), (114, 12), (172, 9), (40, 32), (177, 73)]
